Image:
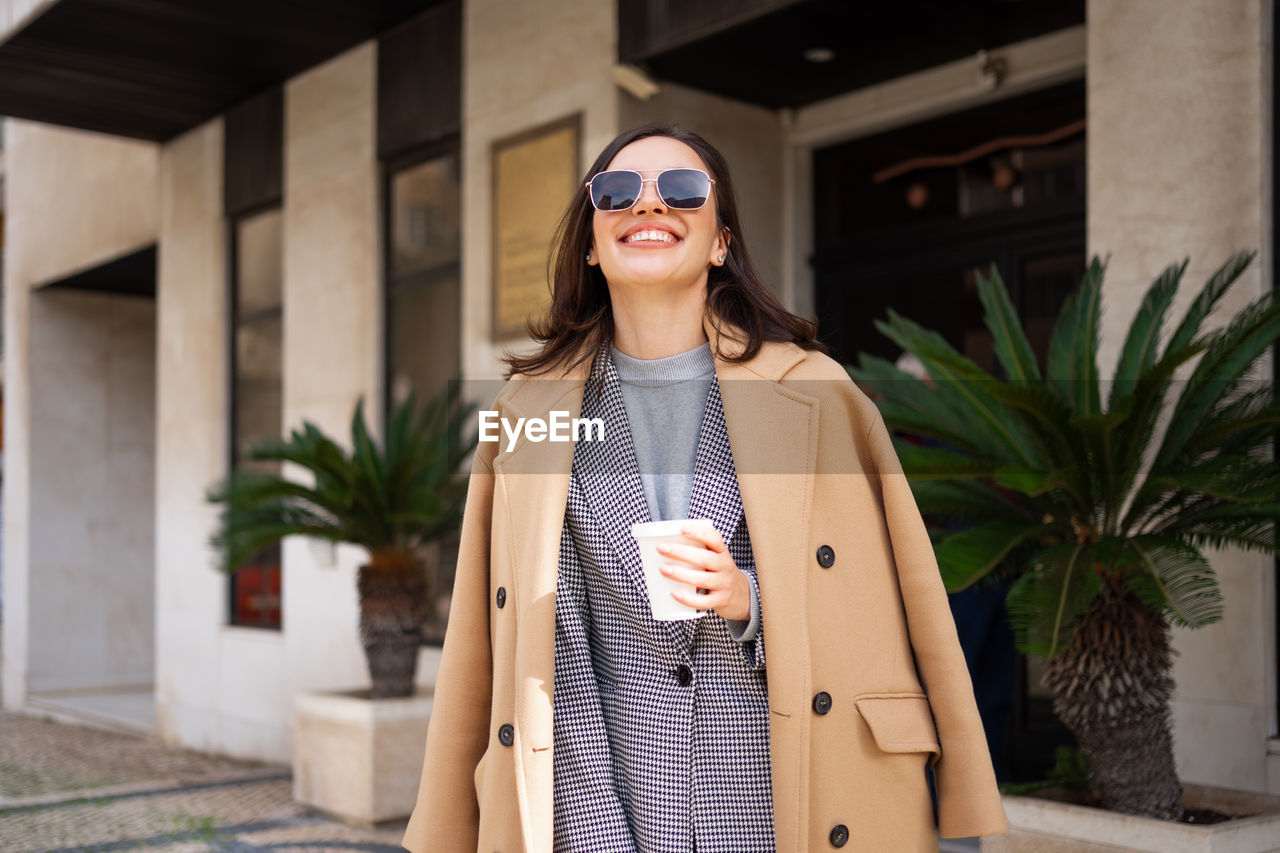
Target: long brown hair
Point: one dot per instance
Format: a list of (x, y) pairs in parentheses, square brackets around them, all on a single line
[(580, 320)]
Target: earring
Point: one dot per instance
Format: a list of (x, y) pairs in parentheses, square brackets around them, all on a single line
[(721, 259), (588, 257)]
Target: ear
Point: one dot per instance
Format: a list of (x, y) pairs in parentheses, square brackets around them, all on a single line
[(720, 249), (592, 259)]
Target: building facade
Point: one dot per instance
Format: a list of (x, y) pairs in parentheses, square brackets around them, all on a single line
[(220, 223)]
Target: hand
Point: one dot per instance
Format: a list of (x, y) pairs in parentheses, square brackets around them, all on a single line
[(712, 569)]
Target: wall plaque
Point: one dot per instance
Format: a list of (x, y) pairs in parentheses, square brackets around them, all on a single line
[(535, 175)]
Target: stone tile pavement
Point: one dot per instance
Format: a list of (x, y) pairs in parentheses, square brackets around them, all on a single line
[(65, 787)]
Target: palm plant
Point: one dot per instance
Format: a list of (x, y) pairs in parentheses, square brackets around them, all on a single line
[(387, 499), (1100, 514)]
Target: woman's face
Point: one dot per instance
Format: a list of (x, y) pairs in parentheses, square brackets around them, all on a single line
[(689, 240)]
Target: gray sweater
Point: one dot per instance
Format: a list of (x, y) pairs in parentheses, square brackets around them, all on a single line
[(665, 399)]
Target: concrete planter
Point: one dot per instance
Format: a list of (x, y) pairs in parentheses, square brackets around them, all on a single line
[(1046, 826), (359, 759)]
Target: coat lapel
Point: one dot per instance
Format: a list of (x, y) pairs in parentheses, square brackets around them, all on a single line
[(609, 473)]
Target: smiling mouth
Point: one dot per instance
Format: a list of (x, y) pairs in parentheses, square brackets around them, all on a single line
[(651, 237)]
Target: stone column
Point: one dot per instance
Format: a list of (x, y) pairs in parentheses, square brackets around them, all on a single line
[(1179, 165)]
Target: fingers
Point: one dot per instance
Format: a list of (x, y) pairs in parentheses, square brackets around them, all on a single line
[(701, 557), (710, 601), (695, 577), (708, 536), (727, 593)]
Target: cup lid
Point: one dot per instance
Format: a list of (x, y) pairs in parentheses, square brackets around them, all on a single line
[(669, 527)]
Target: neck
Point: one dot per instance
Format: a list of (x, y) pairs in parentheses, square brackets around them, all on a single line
[(649, 324)]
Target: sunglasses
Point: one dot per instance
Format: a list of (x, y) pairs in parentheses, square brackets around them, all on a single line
[(681, 189)]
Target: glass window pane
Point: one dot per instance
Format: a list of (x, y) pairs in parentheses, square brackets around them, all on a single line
[(424, 314), (259, 330), (259, 264), (424, 216), (258, 389), (422, 322)]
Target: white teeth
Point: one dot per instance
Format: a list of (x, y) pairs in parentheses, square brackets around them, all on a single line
[(653, 234)]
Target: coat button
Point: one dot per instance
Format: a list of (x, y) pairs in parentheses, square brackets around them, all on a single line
[(506, 734), (502, 597), (826, 556), (822, 702), (839, 835), (684, 675)]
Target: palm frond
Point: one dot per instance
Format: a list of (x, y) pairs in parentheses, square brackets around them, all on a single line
[(1253, 412), (1073, 348), (963, 383), (1259, 535), (1134, 435), (909, 405), (407, 491), (968, 500), (1008, 338), (1175, 579), (1046, 602), (970, 555), (1142, 343), (934, 463), (1207, 299), (1099, 432), (1190, 514), (1231, 352), (1047, 417)]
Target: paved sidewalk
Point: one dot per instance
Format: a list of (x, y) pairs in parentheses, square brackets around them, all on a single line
[(66, 787)]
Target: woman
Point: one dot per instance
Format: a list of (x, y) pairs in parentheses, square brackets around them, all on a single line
[(676, 736)]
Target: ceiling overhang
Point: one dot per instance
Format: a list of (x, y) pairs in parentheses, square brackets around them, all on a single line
[(758, 54), (131, 274), (153, 69)]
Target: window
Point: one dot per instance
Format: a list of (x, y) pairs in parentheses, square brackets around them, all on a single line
[(257, 405), (423, 310)]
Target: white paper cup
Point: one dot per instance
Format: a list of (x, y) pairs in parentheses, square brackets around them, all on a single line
[(648, 534)]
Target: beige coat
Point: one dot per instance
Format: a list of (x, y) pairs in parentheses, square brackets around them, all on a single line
[(873, 630)]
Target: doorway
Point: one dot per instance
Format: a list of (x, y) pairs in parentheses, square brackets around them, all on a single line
[(91, 545)]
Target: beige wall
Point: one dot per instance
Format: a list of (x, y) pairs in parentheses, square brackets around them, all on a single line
[(1178, 166), (525, 64), (72, 200), (751, 139)]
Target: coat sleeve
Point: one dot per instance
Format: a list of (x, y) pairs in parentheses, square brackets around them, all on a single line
[(968, 800), (447, 813)]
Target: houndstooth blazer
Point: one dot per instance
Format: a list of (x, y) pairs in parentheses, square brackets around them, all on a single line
[(661, 729)]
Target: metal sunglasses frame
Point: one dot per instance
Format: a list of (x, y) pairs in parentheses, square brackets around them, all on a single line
[(643, 180)]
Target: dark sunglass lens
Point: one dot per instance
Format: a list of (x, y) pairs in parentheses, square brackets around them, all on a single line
[(615, 190), (684, 189)]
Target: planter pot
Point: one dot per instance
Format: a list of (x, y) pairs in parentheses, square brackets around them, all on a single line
[(359, 759), (1048, 826)]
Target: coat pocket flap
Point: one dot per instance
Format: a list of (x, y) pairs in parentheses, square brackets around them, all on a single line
[(900, 723)]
